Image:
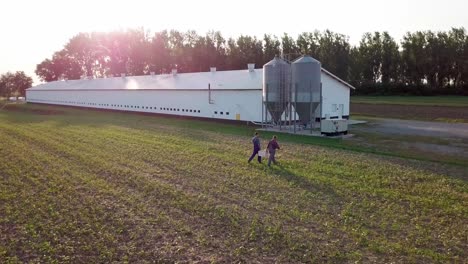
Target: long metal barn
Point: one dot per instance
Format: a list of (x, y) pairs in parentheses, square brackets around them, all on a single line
[(228, 95)]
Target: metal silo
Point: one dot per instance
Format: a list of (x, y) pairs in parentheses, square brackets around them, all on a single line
[(306, 87), (276, 87)]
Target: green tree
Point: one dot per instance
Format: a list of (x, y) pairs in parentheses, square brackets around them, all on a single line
[(414, 58), (244, 50), (370, 57), (390, 71), (14, 84), (86, 53), (334, 52), (289, 49), (47, 71), (138, 52), (220, 47), (308, 44), (232, 55), (159, 58), (271, 48)]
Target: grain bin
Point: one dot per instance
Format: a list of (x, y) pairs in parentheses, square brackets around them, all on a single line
[(306, 87), (276, 87)]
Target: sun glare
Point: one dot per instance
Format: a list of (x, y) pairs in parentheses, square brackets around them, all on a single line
[(131, 85)]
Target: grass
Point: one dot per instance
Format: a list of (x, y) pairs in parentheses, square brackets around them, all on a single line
[(457, 101), (86, 186)]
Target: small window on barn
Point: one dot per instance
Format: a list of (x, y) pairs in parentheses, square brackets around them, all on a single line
[(190, 110), (220, 113), (216, 112), (227, 113), (198, 111)]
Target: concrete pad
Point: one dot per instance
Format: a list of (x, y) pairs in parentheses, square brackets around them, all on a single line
[(356, 122), (315, 133)]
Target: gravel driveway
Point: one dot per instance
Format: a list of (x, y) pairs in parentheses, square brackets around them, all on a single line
[(418, 128), (427, 138)]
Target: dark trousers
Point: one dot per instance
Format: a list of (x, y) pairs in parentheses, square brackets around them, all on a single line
[(272, 157), (255, 152)]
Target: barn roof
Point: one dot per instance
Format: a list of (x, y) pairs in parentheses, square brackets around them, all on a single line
[(338, 79), (218, 80)]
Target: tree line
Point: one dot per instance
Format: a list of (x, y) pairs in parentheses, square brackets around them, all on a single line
[(14, 84), (423, 62)]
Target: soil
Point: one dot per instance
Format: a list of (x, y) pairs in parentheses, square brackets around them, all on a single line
[(411, 111)]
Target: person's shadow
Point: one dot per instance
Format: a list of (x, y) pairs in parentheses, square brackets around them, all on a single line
[(302, 181)]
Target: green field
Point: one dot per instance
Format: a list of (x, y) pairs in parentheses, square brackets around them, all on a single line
[(460, 101), (87, 186)]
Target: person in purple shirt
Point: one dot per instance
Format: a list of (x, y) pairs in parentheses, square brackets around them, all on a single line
[(272, 147), (256, 148)]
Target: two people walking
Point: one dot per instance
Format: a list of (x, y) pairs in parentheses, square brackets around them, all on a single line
[(271, 148)]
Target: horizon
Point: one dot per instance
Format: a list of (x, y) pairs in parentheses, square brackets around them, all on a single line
[(51, 30)]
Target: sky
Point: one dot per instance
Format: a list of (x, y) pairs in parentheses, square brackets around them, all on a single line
[(33, 30)]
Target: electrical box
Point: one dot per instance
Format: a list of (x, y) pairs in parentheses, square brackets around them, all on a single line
[(334, 126)]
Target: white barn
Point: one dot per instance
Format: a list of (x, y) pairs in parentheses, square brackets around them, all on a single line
[(228, 95)]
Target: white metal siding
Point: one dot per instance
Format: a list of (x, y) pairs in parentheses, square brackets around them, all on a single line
[(334, 93), (225, 104)]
